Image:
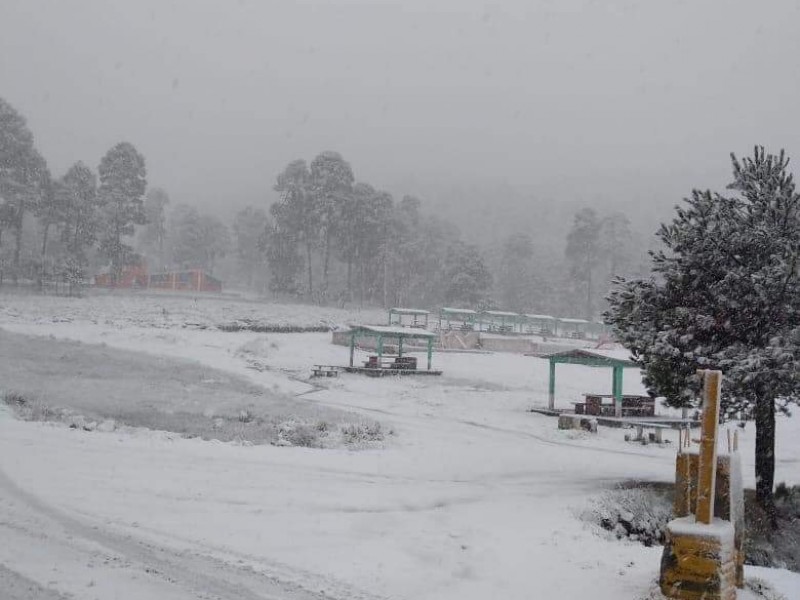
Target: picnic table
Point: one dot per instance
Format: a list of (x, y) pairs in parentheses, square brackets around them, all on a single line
[(632, 406), (391, 362), (325, 371)]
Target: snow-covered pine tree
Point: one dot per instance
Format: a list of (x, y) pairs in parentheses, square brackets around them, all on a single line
[(24, 177), (725, 293), (77, 192), (122, 186)]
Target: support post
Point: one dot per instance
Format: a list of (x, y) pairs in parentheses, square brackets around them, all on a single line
[(707, 469), (352, 347), (430, 353), (400, 346), (551, 388), (380, 349), (616, 387)]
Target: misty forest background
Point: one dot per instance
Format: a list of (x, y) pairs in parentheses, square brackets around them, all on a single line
[(321, 235)]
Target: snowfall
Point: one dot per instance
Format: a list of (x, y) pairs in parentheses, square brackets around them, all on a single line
[(469, 496)]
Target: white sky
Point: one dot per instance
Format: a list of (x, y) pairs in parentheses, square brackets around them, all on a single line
[(637, 101)]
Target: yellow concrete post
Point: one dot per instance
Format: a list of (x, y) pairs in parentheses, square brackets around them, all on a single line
[(707, 469)]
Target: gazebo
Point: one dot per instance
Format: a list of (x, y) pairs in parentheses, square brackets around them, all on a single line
[(499, 320), (418, 317), (400, 334), (590, 359), (574, 328), (465, 316), (541, 324)]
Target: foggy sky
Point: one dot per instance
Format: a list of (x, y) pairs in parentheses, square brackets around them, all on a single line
[(635, 102)]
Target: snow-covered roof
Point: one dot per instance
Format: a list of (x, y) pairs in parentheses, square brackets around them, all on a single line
[(576, 321), (458, 311), (500, 313), (409, 311), (540, 317), (396, 331), (594, 358)]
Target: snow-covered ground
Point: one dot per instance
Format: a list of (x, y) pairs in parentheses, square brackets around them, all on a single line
[(472, 497)]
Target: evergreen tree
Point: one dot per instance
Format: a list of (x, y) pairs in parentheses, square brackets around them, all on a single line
[(465, 276), (515, 273), (24, 177), (725, 293), (331, 182), (77, 191), (583, 254), (296, 218), (122, 186), (248, 228), (280, 248), (154, 234)]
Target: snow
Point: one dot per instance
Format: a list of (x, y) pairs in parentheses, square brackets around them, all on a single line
[(404, 331), (472, 497)]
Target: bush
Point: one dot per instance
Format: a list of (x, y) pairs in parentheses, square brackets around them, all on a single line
[(638, 513), (362, 433)]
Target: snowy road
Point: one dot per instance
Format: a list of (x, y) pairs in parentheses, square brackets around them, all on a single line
[(86, 559)]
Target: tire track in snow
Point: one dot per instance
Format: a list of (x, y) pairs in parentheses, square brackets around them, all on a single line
[(182, 573)]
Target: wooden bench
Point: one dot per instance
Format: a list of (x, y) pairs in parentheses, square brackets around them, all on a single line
[(325, 371)]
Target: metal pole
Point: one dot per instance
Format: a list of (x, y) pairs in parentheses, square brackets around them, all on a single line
[(430, 352), (616, 387), (551, 398), (352, 347)]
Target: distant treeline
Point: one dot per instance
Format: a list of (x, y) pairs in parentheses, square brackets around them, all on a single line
[(328, 239)]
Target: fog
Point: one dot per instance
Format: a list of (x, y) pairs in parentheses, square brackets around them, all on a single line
[(576, 100)]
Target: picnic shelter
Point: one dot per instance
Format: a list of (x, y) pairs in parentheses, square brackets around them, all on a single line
[(400, 335), (579, 356), (408, 317)]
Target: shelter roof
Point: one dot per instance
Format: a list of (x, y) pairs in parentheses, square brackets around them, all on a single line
[(541, 317), (567, 320), (500, 313), (458, 311), (579, 356), (406, 332), (409, 311)]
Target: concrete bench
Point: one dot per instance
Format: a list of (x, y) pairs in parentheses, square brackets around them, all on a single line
[(325, 371), (658, 429)]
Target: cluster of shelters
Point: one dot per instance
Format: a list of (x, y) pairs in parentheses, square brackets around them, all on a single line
[(497, 321)]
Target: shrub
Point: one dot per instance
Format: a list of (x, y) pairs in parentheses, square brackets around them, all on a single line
[(639, 514), (362, 433)]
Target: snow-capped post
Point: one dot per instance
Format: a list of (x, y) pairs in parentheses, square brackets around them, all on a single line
[(707, 469), (703, 553)]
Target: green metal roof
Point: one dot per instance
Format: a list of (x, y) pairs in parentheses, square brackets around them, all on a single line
[(589, 359), (400, 332)]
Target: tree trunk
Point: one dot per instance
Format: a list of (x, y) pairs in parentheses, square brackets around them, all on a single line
[(349, 278), (326, 264), (765, 456), (44, 253), (310, 275), (17, 247), (589, 292)]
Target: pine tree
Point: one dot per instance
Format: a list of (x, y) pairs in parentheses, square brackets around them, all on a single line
[(122, 186), (248, 228), (331, 183), (465, 276), (77, 192), (583, 254), (154, 235), (725, 293), (24, 177), (296, 218)]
